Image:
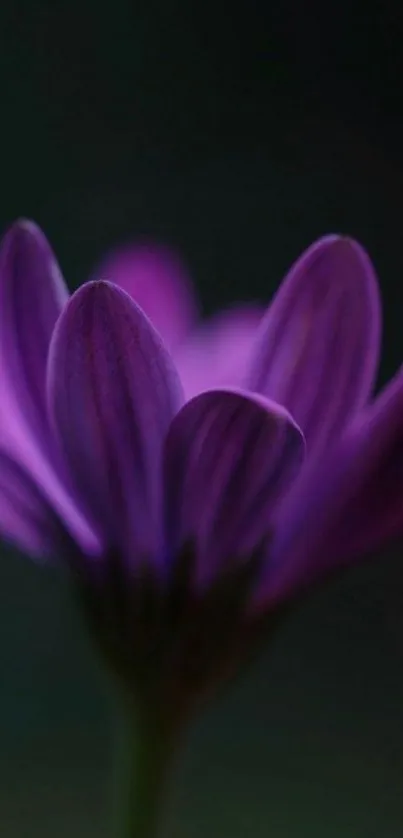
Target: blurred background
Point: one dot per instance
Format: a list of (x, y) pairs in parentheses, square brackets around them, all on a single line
[(236, 134)]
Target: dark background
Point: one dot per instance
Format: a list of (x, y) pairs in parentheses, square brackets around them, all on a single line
[(237, 134)]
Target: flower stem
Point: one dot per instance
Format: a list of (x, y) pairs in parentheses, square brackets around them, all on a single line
[(147, 748)]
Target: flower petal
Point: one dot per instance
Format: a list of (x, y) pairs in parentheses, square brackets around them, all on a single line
[(319, 344), (228, 458), (26, 517), (345, 506), (113, 391), (32, 295), (218, 353), (156, 279)]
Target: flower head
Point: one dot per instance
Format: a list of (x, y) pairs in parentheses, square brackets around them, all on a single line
[(187, 522)]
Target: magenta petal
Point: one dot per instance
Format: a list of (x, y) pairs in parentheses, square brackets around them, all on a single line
[(346, 505), (156, 279), (319, 343), (218, 353), (32, 295), (26, 518), (113, 391), (228, 458)]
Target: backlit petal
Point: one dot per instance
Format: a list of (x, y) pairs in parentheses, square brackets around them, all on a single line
[(113, 391), (157, 281), (319, 343), (32, 295), (218, 353), (26, 517), (229, 456), (345, 506)]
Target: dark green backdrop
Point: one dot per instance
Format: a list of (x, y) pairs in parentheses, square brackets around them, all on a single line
[(237, 135)]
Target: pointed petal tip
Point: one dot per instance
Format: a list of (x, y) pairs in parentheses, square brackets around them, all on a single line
[(93, 285), (343, 245), (357, 257), (24, 239), (24, 229), (327, 240), (335, 250), (27, 225), (276, 411), (103, 290), (155, 276)]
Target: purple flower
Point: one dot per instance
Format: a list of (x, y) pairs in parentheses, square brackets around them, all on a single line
[(208, 353), (188, 523)]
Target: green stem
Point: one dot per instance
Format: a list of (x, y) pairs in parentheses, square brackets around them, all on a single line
[(148, 748)]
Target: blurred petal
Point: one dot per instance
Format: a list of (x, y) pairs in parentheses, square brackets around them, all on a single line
[(32, 295), (156, 279), (26, 518), (347, 505), (113, 391), (319, 343), (229, 456), (218, 353)]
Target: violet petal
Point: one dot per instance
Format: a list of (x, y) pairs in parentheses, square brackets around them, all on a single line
[(113, 391), (26, 518), (228, 458), (319, 343), (218, 353), (32, 295), (346, 505), (157, 281)]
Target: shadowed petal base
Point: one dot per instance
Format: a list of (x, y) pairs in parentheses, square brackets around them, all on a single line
[(168, 645)]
